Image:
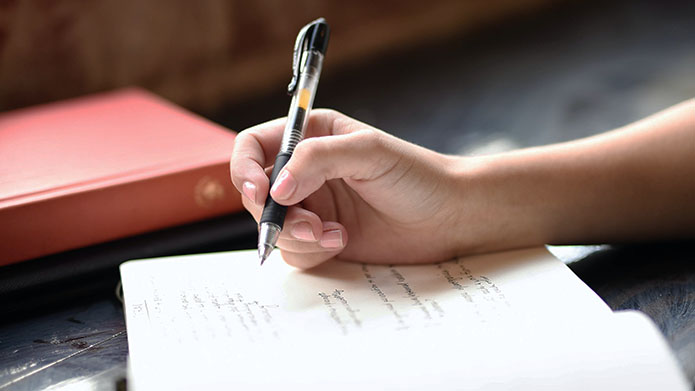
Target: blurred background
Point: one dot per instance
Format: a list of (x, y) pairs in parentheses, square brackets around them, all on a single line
[(454, 75)]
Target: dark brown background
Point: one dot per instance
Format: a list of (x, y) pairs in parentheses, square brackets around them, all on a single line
[(205, 54)]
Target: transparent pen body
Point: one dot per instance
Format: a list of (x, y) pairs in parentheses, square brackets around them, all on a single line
[(302, 100), (273, 215)]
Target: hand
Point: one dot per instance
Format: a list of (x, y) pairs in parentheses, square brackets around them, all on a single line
[(356, 193), (362, 195)]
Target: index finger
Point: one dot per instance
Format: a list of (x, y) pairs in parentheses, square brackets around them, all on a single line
[(255, 149), (252, 152)]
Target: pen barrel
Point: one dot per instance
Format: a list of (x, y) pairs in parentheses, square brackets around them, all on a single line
[(302, 101), (272, 211)]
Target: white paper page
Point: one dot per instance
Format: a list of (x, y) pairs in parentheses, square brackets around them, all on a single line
[(221, 320)]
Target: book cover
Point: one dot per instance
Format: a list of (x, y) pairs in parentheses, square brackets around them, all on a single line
[(104, 167)]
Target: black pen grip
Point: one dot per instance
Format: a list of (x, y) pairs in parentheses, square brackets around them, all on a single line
[(272, 211)]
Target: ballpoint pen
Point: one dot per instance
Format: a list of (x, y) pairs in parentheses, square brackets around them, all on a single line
[(309, 50)]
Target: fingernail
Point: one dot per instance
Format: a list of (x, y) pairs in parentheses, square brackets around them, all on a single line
[(302, 231), (249, 190), (332, 239), (284, 186)]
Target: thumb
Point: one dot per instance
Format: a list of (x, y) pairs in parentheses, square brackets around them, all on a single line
[(362, 155)]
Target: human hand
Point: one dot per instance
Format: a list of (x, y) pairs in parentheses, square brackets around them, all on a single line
[(362, 195), (356, 193)]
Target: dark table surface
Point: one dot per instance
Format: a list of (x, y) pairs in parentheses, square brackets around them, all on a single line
[(572, 71)]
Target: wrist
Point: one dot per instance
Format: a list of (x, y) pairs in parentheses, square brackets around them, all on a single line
[(501, 204), (466, 233)]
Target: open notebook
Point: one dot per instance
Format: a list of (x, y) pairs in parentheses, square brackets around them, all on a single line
[(517, 320)]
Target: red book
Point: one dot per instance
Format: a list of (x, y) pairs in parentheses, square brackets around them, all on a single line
[(108, 166)]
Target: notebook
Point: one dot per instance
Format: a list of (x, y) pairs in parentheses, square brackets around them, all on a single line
[(516, 320)]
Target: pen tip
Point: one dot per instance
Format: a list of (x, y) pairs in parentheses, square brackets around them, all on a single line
[(264, 252)]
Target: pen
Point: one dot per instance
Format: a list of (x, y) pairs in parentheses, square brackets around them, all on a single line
[(307, 59)]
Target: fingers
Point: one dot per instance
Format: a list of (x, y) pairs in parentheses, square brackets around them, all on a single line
[(251, 154), (255, 149), (306, 255), (305, 240), (300, 224), (359, 156)]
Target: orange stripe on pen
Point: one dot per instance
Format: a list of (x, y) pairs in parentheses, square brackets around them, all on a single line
[(304, 98)]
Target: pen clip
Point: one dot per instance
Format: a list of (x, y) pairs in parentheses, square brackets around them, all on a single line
[(300, 46)]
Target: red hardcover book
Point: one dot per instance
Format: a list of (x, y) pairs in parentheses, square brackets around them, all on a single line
[(108, 166)]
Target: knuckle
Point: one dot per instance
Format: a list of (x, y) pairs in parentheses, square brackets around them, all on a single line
[(367, 136), (241, 139), (369, 140), (329, 114), (312, 148), (342, 124), (322, 118), (326, 111)]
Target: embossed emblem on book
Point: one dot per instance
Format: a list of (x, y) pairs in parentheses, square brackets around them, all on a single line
[(208, 191)]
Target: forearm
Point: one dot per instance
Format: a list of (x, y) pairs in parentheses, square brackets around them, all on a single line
[(634, 183)]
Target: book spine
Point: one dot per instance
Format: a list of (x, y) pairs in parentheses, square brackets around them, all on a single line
[(80, 219)]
